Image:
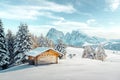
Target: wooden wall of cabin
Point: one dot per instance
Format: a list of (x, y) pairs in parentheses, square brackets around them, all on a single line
[(47, 54)]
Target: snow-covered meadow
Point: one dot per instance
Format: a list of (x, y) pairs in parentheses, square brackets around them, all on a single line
[(68, 69)]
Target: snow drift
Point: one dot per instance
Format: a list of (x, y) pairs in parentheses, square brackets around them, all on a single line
[(75, 68)]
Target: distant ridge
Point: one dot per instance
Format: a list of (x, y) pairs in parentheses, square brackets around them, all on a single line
[(78, 39)]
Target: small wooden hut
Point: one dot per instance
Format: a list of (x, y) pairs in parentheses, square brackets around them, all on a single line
[(43, 55)]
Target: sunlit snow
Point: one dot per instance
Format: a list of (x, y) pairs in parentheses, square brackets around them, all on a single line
[(75, 68)]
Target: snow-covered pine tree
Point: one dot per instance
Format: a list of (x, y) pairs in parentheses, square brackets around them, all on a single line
[(41, 41), (49, 43), (10, 45), (35, 41), (61, 47), (88, 52), (4, 58), (100, 53), (44, 42), (22, 44)]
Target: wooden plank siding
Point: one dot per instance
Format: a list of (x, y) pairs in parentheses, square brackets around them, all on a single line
[(46, 57)]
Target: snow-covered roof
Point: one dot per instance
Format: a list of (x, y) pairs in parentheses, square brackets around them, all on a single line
[(37, 51)]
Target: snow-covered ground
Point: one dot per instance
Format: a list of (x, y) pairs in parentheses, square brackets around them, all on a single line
[(68, 69), (112, 56)]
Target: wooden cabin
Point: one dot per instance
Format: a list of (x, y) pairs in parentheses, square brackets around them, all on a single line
[(43, 55)]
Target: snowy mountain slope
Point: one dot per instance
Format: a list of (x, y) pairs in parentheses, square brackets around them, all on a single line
[(68, 69), (75, 38), (113, 45), (78, 38), (54, 34)]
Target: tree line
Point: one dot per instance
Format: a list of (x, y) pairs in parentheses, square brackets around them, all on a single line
[(13, 47), (97, 53)]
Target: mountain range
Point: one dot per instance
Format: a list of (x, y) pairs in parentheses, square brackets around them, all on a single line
[(79, 38)]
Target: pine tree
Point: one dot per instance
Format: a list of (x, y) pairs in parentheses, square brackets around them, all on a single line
[(61, 47), (35, 41), (41, 41), (10, 44), (4, 58), (48, 42), (88, 52), (44, 42), (22, 44), (100, 53)]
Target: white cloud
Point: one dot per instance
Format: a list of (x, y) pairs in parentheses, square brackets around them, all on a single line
[(19, 12), (51, 6), (91, 21), (68, 26), (50, 15), (40, 29), (46, 8), (113, 4), (111, 23), (32, 12), (109, 33), (70, 23)]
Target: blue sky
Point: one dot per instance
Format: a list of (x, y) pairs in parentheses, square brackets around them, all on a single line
[(94, 17)]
